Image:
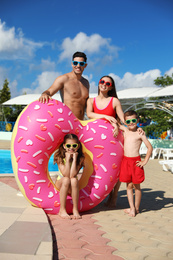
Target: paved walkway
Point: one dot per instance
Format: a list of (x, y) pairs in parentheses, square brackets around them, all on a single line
[(101, 233)]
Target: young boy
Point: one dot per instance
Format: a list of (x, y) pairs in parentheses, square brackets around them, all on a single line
[(132, 171)]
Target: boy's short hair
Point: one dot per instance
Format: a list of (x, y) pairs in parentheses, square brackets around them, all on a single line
[(79, 54), (131, 113)]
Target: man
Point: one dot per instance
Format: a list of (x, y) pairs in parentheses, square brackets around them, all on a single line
[(74, 89)]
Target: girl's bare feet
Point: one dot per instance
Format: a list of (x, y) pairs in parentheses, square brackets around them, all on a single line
[(76, 215), (64, 215)]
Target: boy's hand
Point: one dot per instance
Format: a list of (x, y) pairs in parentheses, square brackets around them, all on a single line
[(140, 164)]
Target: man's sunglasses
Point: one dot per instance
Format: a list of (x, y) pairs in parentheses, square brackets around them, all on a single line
[(81, 63), (71, 145), (133, 120), (108, 84)]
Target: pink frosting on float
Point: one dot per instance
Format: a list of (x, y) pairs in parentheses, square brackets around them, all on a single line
[(40, 129)]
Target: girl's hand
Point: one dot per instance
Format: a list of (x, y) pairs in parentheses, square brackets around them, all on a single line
[(75, 155), (68, 156)]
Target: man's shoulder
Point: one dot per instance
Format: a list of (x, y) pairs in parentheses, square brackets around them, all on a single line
[(62, 78)]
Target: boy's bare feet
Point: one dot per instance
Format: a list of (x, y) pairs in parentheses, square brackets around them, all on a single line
[(64, 215), (130, 212)]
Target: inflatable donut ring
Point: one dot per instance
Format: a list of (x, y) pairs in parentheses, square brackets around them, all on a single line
[(38, 132)]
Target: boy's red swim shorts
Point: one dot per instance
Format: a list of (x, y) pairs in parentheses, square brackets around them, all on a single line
[(130, 172)]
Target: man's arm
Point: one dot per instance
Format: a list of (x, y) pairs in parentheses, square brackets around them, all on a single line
[(56, 86)]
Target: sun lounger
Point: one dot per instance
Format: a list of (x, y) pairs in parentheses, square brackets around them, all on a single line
[(143, 151), (167, 165)]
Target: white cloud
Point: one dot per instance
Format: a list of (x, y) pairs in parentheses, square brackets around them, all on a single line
[(130, 80), (43, 82), (94, 44), (13, 88), (14, 45), (44, 66), (169, 72)]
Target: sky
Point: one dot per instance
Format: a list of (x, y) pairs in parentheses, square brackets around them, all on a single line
[(130, 40)]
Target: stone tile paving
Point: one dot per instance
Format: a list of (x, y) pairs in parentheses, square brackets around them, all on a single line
[(148, 236), (80, 239), (75, 239), (111, 233)]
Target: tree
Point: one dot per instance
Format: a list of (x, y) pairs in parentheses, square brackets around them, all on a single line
[(160, 122), (164, 81), (5, 95)]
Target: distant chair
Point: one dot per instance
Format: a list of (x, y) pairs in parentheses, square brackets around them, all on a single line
[(143, 151), (167, 165), (167, 154)]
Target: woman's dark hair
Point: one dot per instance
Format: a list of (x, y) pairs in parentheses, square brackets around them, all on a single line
[(60, 153), (79, 54), (112, 92)]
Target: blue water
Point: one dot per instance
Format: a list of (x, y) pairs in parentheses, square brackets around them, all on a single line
[(6, 165)]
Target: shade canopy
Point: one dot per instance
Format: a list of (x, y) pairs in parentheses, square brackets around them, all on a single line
[(130, 93), (166, 91), (27, 99)]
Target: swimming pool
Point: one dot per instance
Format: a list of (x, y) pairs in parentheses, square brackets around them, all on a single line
[(6, 165)]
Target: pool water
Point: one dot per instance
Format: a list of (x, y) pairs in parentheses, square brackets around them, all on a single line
[(6, 165)]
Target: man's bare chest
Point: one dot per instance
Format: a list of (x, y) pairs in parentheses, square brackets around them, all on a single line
[(75, 90)]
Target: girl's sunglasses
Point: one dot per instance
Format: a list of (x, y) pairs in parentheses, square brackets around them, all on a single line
[(71, 145), (133, 120), (108, 84), (81, 63)]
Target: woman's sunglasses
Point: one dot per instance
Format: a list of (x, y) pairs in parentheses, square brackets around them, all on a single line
[(108, 84), (71, 145), (133, 120), (81, 63)]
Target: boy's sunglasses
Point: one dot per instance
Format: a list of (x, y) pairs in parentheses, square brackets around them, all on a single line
[(71, 145), (108, 84), (133, 120), (81, 63)]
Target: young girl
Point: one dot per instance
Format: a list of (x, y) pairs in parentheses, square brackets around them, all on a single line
[(106, 105), (70, 160)]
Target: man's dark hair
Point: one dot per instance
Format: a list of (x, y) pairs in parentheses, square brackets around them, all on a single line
[(131, 113), (79, 54)]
